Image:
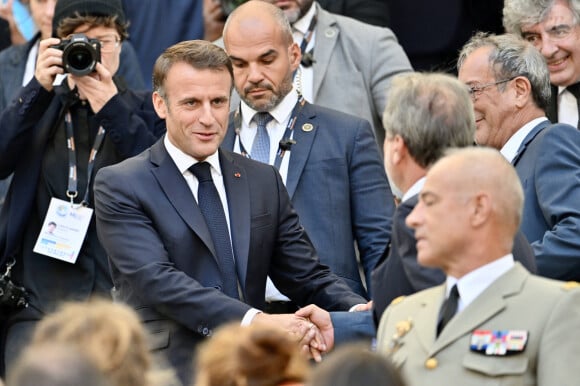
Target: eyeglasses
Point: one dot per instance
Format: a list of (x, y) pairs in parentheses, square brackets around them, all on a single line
[(109, 43), (476, 90), (555, 34)]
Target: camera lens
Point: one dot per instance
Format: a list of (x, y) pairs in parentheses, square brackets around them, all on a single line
[(80, 60)]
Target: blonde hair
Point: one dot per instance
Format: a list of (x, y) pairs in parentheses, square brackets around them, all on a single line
[(256, 355), (109, 334)]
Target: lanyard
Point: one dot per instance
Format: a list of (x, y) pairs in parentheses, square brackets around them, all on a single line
[(72, 161), (307, 57), (286, 142)]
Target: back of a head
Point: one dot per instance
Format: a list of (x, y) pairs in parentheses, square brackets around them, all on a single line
[(258, 355), (55, 365), (431, 112), (109, 334), (354, 365)]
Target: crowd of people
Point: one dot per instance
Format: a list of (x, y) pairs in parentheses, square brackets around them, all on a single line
[(282, 193)]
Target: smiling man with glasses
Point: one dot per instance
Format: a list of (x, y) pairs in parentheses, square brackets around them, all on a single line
[(553, 28), (509, 83)]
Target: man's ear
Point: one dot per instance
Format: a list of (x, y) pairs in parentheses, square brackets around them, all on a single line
[(295, 56), (160, 105), (523, 90), (398, 149), (481, 210)]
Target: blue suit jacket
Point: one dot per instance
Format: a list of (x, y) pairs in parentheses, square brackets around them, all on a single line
[(163, 260), (548, 164), (338, 186)]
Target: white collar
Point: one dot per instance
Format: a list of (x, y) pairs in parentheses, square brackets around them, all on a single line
[(510, 149), (184, 161)]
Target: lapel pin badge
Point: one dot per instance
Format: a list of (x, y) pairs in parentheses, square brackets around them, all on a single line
[(307, 127), (237, 175)]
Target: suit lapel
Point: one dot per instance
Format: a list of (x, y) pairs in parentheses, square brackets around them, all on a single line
[(531, 135), (326, 37), (301, 150), (178, 193), (484, 307), (238, 193), (430, 311)]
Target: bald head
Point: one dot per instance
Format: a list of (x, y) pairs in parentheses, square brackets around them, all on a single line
[(468, 212), (249, 16), (483, 169)]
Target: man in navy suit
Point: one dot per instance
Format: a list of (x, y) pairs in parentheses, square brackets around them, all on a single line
[(164, 260), (510, 87), (329, 161), (426, 114)]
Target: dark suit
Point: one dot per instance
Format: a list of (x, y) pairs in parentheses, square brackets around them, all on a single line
[(162, 256), (399, 273), (338, 186), (548, 164), (374, 12)]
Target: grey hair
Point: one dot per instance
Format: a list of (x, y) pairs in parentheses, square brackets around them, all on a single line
[(431, 112), (511, 56), (518, 13)]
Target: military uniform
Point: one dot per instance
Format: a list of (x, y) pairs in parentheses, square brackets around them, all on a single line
[(520, 331)]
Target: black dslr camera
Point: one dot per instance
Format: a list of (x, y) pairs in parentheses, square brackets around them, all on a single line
[(79, 54), (229, 5)]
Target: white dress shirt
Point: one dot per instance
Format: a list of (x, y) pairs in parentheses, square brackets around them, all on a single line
[(567, 107), (475, 282), (510, 149)]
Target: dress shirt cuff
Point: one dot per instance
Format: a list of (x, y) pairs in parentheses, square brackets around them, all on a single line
[(353, 308), (249, 316)]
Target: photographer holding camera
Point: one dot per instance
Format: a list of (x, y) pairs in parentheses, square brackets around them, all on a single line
[(73, 118)]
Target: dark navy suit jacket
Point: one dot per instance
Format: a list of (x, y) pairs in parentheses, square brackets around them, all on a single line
[(163, 260), (338, 186), (548, 164)]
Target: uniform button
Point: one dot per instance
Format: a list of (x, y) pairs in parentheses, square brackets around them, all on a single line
[(205, 331), (431, 363), (199, 329)]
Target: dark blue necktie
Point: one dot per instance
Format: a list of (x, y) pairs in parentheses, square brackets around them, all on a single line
[(448, 309), (261, 146), (211, 207)]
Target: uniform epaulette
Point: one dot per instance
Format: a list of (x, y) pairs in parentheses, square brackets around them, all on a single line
[(570, 285), (397, 300)]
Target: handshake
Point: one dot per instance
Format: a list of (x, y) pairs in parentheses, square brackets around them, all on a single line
[(311, 326)]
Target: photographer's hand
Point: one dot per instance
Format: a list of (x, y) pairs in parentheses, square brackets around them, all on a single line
[(48, 63), (98, 88)]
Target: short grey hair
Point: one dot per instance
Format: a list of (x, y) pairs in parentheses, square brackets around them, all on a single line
[(511, 56), (518, 13), (431, 112)]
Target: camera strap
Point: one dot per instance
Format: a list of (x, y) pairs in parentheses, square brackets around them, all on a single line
[(72, 160), (286, 141)]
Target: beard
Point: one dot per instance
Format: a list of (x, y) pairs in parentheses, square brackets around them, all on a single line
[(262, 105)]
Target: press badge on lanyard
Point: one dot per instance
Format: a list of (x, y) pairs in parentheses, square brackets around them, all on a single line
[(66, 223)]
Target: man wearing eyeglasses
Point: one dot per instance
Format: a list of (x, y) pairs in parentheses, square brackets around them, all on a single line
[(553, 28), (509, 84), (54, 135)]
